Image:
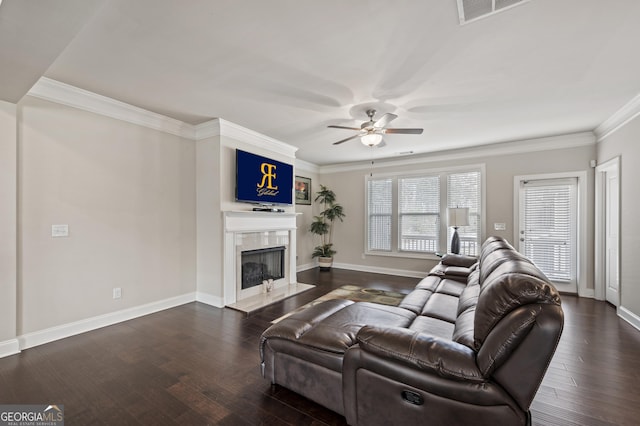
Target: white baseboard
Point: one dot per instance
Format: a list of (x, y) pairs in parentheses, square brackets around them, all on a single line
[(306, 266), (208, 299), (9, 347), (41, 337), (629, 317), (379, 270), (587, 292)]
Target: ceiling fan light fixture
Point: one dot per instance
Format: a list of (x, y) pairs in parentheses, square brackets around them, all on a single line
[(371, 139)]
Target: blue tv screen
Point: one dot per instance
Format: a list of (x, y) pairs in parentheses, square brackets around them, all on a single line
[(262, 180)]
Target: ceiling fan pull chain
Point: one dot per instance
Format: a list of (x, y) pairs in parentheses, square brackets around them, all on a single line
[(371, 172)]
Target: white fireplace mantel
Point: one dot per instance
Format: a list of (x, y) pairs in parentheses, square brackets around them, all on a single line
[(250, 221), (242, 222)]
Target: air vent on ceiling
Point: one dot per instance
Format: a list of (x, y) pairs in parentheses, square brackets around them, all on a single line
[(470, 10)]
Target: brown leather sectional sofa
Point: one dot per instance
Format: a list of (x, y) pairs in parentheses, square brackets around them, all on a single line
[(469, 345)]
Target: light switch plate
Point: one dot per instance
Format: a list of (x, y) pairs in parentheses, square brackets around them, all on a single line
[(59, 231), (500, 226)]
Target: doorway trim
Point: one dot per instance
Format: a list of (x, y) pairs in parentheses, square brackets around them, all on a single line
[(600, 222), (581, 266)]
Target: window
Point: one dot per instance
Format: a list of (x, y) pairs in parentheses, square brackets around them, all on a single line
[(406, 214), (379, 211), (419, 213), (463, 190)]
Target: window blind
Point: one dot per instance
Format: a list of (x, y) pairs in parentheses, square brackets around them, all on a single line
[(549, 226), (380, 209), (463, 190), (405, 213), (419, 213)]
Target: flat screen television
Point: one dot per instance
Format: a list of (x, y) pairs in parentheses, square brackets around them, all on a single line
[(261, 180)]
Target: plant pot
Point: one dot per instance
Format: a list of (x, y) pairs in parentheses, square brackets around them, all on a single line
[(325, 263)]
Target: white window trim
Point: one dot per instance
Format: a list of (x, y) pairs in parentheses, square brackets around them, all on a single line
[(581, 267), (414, 255)]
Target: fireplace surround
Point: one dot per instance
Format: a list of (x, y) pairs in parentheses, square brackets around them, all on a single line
[(250, 231)]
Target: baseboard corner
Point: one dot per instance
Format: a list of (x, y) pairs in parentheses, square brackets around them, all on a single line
[(306, 266), (208, 299), (9, 347), (629, 317)]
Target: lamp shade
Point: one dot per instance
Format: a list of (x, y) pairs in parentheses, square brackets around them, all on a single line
[(371, 139), (458, 216)]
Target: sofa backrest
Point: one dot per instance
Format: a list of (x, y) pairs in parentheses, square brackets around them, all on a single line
[(493, 253), (518, 320)]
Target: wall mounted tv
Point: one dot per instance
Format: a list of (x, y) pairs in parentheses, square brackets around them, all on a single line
[(261, 180)]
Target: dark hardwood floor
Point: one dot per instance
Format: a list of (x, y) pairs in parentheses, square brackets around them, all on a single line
[(197, 365)]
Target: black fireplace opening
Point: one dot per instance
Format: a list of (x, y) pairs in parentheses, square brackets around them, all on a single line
[(262, 264)]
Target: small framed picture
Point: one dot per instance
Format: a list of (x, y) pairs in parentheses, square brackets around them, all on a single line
[(303, 190)]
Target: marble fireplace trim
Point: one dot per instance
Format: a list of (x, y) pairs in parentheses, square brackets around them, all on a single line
[(247, 230)]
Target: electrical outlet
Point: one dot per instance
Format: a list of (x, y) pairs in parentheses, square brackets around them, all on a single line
[(117, 292)]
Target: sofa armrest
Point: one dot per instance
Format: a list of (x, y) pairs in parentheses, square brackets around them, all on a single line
[(458, 260), (422, 351)]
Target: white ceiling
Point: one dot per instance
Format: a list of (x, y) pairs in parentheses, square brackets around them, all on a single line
[(288, 69)]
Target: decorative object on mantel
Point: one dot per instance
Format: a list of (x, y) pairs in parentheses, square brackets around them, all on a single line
[(303, 190), (458, 216), (268, 285), (322, 225)]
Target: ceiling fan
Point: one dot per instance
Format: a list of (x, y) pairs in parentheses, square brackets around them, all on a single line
[(370, 132)]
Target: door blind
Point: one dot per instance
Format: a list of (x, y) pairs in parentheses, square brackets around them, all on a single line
[(549, 226)]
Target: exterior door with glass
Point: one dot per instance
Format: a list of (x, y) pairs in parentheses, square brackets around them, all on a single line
[(547, 228)]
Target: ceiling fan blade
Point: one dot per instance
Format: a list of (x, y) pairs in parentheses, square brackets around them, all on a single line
[(343, 127), (384, 120), (347, 139), (404, 131)]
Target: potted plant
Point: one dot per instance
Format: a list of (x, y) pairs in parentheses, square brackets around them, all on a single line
[(322, 225)]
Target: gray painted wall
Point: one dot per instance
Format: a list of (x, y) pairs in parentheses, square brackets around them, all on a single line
[(8, 224), (128, 195), (500, 172)]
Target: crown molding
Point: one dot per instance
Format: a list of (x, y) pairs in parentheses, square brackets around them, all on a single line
[(55, 91), (65, 94), (242, 134), (221, 127), (621, 117), (208, 129), (307, 166), (572, 140)]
